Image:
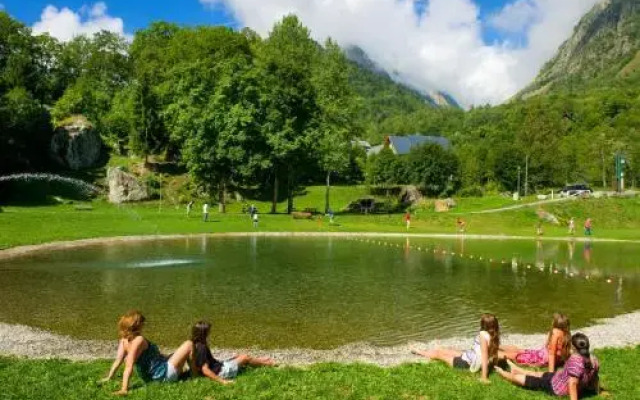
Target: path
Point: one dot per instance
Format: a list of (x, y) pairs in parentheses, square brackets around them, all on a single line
[(518, 206)]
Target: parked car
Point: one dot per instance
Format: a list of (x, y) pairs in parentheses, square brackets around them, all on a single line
[(576, 190)]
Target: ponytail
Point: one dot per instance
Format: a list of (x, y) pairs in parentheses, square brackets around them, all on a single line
[(581, 343)]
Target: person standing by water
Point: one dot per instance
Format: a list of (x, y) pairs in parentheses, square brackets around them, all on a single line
[(254, 218), (587, 227), (205, 212), (189, 208), (407, 220), (572, 226)]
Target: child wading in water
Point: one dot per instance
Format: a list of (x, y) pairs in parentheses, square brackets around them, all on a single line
[(205, 364), (580, 373), (134, 349), (483, 353), (554, 353)]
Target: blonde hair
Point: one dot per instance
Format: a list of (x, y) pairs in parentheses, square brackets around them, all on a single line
[(489, 323), (130, 324)]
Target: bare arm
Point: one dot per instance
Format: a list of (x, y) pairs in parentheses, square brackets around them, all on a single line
[(118, 361), (136, 347), (484, 347), (206, 371), (553, 348), (573, 388)]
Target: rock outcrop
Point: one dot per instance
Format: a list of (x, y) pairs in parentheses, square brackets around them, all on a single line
[(125, 187), (76, 145)]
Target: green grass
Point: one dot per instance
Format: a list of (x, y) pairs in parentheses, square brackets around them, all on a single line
[(21, 225), (55, 379)]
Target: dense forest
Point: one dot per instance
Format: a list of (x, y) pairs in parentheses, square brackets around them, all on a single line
[(238, 110)]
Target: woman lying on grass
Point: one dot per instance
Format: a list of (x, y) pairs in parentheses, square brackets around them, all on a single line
[(483, 353), (134, 349), (580, 373), (205, 364)]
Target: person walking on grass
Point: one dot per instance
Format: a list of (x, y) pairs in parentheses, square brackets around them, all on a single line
[(204, 364), (205, 212), (407, 220), (189, 208), (587, 227), (135, 350)]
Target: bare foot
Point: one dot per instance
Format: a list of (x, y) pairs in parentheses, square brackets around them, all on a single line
[(502, 372), (514, 368), (267, 362)]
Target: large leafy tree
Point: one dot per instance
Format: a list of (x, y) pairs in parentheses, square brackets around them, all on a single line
[(433, 168), (286, 60), (338, 107)]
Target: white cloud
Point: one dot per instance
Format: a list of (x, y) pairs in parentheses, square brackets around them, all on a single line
[(65, 24), (516, 17), (443, 48)]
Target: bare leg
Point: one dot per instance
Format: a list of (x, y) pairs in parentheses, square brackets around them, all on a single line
[(515, 369), (445, 355), (180, 357), (244, 359)]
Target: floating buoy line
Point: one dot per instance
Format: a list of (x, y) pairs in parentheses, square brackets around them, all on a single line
[(515, 263)]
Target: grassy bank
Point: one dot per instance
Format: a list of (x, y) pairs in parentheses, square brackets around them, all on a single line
[(55, 379), (21, 225)]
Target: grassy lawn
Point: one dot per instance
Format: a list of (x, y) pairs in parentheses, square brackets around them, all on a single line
[(20, 225), (55, 379)]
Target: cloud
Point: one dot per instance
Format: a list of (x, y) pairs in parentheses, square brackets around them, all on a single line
[(65, 24), (441, 47), (516, 17)]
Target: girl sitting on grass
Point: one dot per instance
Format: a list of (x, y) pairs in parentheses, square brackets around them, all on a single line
[(580, 373), (484, 350), (134, 349), (205, 364), (554, 353)]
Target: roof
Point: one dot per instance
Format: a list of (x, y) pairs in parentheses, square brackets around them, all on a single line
[(402, 145), (375, 150)]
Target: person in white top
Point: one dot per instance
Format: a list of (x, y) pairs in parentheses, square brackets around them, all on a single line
[(205, 212), (483, 352), (255, 218)]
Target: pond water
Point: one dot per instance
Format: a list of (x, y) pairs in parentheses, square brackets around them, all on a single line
[(319, 292)]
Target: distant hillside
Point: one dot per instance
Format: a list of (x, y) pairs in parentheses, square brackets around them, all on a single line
[(362, 59), (604, 50)]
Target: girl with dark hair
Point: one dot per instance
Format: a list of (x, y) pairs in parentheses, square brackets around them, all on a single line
[(203, 362), (483, 353), (580, 373), (555, 352)]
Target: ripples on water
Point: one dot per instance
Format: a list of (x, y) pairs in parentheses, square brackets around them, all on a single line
[(318, 293)]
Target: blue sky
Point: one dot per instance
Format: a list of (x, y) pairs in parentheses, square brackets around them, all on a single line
[(139, 13)]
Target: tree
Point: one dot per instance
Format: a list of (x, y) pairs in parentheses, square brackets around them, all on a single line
[(337, 105), (433, 168), (290, 126)]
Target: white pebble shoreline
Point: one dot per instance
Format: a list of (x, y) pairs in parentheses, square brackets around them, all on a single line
[(23, 341)]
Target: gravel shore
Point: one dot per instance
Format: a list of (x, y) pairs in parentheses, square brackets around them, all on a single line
[(23, 341)]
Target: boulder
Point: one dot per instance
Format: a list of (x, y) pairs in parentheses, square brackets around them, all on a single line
[(410, 195), (75, 144), (125, 187)]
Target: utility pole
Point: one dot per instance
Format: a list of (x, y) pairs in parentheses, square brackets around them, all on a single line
[(519, 181)]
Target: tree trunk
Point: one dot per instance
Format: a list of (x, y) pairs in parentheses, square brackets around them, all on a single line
[(222, 191), (604, 170), (326, 193), (290, 191), (274, 203), (526, 176)]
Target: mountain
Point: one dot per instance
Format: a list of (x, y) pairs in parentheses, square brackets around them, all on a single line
[(435, 98), (603, 51)]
